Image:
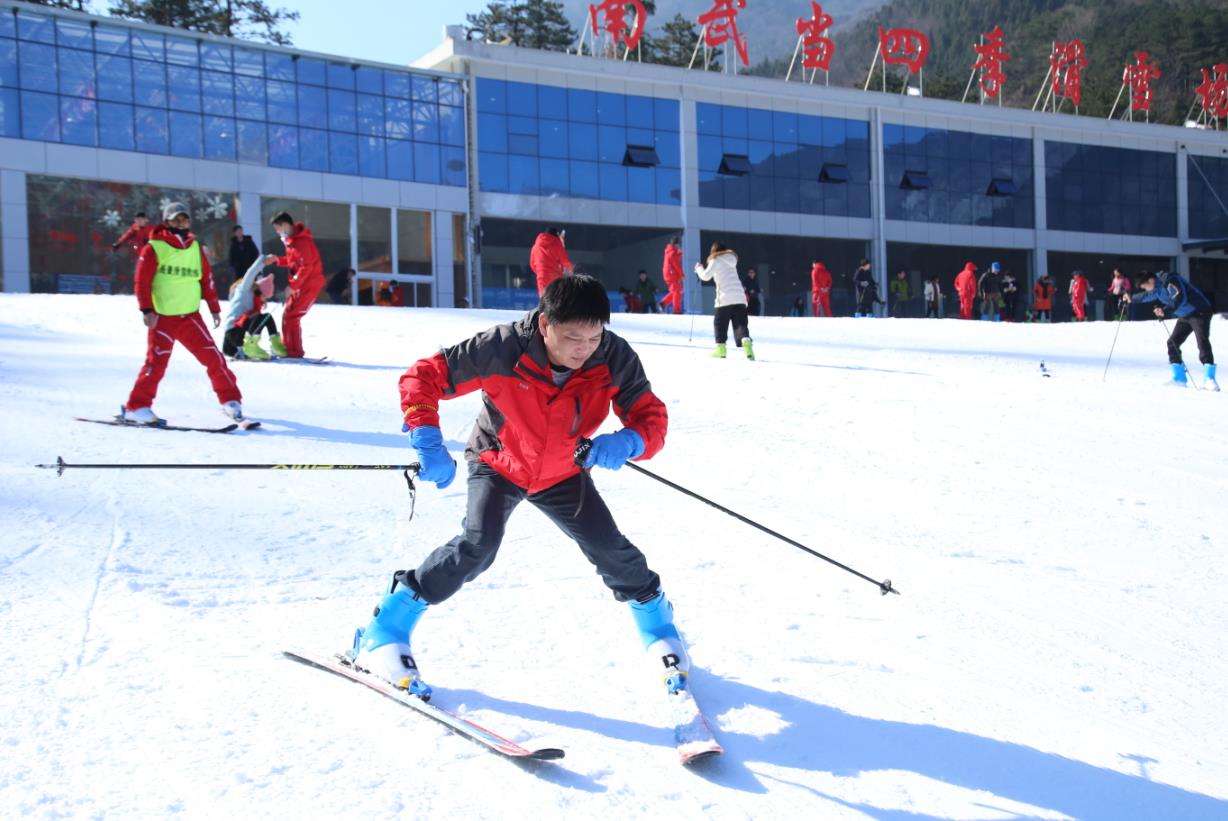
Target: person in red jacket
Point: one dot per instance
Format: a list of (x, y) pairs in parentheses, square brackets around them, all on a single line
[(306, 280), (548, 259), (1079, 289), (548, 382), (137, 235), (172, 276), (671, 272), (965, 287), (820, 289)]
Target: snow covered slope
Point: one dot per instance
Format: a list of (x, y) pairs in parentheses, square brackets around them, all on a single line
[(1058, 650)]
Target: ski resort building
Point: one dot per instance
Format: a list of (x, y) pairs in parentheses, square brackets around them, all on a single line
[(439, 174)]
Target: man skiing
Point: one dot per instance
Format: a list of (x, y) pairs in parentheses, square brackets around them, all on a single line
[(548, 380), (671, 272), (991, 292), (820, 289), (548, 258), (172, 276), (965, 288), (302, 257), (1193, 312), (137, 235)]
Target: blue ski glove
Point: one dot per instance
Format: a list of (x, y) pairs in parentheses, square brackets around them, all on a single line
[(612, 450), (437, 465)]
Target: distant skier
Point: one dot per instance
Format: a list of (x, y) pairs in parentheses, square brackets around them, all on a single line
[(820, 289), (172, 276), (137, 235), (243, 252), (866, 288), (965, 287), (1042, 299), (302, 257), (547, 380), (1079, 290), (754, 294), (646, 290), (1118, 288), (722, 268), (247, 318), (548, 258), (990, 287), (1193, 311), (933, 298), (901, 292), (671, 272), (1010, 297)]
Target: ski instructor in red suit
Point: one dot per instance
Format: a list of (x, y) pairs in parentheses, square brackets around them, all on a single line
[(671, 271), (549, 259), (306, 280)]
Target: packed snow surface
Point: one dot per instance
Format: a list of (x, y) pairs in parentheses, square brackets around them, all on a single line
[(1058, 649)]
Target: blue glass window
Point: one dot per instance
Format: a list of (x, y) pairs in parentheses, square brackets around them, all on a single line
[(396, 84), (186, 137), (370, 117), (253, 142), (582, 141), (1208, 193), (8, 27), (492, 172), (342, 110), (584, 179), (451, 92), (398, 118), (611, 108), (426, 163), (400, 159), (283, 146), (10, 120), (183, 86), (313, 149), (341, 75), (149, 81), (115, 129), (36, 27), (425, 89), (114, 78), (555, 176), (369, 80), (1101, 189), (581, 105), (216, 57), (640, 112), (552, 138), (249, 97), (312, 106), (249, 62), (451, 125), (278, 66), (217, 93), (551, 102), (78, 121), (283, 102), (38, 70), (426, 121), (522, 175), (74, 33), (342, 153), (641, 184), (182, 51), (152, 132), (40, 116), (147, 45), (311, 70), (612, 181), (220, 138), (371, 157), (452, 165), (665, 114), (76, 72), (8, 63)]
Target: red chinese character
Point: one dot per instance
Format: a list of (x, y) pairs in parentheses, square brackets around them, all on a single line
[(1213, 91), (818, 49), (989, 59), (615, 14), (1067, 63), (720, 25), (907, 47), (1139, 76)]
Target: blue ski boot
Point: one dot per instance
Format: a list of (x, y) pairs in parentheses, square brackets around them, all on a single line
[(655, 621), (1179, 377), (1210, 374), (382, 647)]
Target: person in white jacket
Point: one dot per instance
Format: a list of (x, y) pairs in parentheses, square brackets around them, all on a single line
[(722, 268)]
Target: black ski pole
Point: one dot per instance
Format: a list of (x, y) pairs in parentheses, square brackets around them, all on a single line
[(412, 468), (581, 453), (1113, 347)]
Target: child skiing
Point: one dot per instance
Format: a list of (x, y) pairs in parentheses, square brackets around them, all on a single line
[(247, 319), (172, 276), (722, 268), (547, 380), (1193, 312), (302, 257), (671, 271)]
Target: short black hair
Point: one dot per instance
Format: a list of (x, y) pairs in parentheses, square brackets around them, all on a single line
[(236, 228), (863, 262), (554, 230), (1143, 276), (284, 216), (575, 298), (675, 239), (141, 215)]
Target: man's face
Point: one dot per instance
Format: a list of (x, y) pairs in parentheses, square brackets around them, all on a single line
[(282, 229), (180, 221), (239, 234), (570, 344), (1148, 284), (142, 221)]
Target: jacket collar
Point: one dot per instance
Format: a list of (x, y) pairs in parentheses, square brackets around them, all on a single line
[(161, 232)]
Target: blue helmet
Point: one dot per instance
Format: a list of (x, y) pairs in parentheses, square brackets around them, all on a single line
[(995, 267)]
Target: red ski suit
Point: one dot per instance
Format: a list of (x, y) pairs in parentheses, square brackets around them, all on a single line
[(306, 281), (965, 286), (137, 236), (820, 290), (548, 260), (671, 272), (187, 329), (1078, 297), (528, 426)]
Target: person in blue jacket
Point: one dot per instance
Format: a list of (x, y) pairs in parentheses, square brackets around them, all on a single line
[(1193, 311)]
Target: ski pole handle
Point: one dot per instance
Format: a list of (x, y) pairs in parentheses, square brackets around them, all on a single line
[(580, 454)]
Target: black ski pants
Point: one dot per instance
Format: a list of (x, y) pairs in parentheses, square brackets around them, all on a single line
[(727, 314), (574, 505), (1200, 326), (232, 341)]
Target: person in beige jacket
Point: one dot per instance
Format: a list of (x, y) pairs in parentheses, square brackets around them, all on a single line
[(722, 269)]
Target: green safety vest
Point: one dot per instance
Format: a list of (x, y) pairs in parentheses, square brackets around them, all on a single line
[(176, 285)]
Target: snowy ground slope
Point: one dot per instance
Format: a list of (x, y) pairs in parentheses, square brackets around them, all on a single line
[(1058, 650)]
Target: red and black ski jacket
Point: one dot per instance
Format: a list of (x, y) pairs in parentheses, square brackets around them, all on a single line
[(528, 427)]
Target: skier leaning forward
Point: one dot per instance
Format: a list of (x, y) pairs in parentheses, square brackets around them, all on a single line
[(547, 380)]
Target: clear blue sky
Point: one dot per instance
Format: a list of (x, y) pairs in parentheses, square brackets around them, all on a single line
[(389, 31)]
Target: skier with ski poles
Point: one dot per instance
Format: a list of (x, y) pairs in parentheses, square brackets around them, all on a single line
[(172, 277), (1193, 311), (546, 380)]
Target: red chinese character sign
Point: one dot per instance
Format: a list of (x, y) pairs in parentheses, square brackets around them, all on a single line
[(1136, 80), (900, 47), (611, 16), (813, 44), (1066, 64), (720, 26), (990, 57), (1213, 93)]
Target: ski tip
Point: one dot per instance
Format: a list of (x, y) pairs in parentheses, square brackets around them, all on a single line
[(702, 756), (547, 754)]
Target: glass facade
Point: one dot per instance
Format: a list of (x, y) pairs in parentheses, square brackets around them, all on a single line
[(73, 223), (760, 160), (1102, 190), (330, 227), (1098, 268), (93, 84), (919, 262), (957, 177), (1208, 186), (1211, 277), (569, 142)]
